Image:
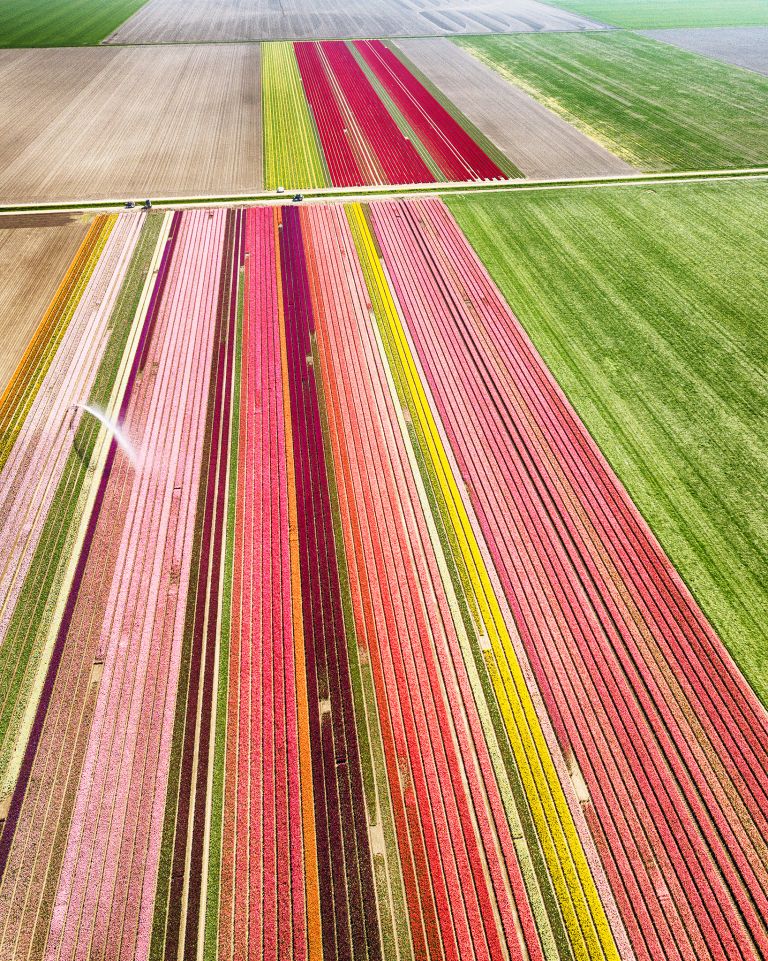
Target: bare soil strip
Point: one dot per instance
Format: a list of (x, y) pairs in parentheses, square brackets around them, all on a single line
[(34, 254), (537, 141), (197, 21), (741, 46), (129, 123)]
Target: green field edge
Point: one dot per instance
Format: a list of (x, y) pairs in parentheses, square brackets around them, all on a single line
[(719, 618), (46, 17)]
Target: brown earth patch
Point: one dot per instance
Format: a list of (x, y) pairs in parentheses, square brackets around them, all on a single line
[(109, 123), (35, 252)]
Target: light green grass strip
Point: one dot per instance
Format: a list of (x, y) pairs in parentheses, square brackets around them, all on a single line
[(62, 23), (658, 107), (292, 154), (649, 307), (647, 14)]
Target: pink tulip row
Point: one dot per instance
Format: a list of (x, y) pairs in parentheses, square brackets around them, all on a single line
[(262, 889), (105, 898), (30, 476)]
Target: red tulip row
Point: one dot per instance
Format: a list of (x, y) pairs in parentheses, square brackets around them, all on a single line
[(338, 142), (262, 896), (676, 765), (361, 142), (452, 148), (463, 884)]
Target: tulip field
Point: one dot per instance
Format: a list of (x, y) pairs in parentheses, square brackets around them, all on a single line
[(348, 114), (326, 629)]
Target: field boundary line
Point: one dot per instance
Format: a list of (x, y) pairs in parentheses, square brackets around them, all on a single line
[(346, 194)]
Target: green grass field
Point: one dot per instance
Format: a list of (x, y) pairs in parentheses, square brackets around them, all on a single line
[(658, 107), (61, 23), (649, 14), (649, 306)]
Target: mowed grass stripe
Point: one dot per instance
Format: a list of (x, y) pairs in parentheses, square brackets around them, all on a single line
[(292, 154), (652, 104), (577, 895)]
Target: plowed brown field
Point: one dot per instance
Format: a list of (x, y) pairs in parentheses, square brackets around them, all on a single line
[(741, 46), (35, 251), (129, 123), (196, 21)]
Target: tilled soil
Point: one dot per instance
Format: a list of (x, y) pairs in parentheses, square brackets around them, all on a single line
[(190, 21), (104, 123), (537, 141), (35, 251)]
